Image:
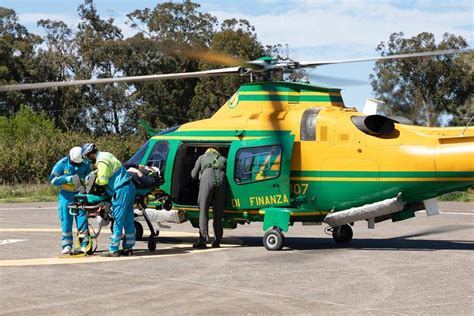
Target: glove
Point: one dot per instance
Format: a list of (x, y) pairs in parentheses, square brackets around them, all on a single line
[(78, 184), (69, 179)]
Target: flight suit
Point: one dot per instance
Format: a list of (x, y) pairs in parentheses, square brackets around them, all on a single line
[(118, 185), (61, 176), (212, 190)]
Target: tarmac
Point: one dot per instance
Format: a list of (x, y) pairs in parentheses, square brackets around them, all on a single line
[(424, 265)]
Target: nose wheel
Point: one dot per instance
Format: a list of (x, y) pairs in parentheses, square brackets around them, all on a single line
[(273, 239), (342, 234)]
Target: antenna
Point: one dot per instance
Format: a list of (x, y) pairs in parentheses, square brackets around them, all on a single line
[(467, 125)]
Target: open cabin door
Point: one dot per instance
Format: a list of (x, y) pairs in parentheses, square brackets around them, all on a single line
[(258, 172)]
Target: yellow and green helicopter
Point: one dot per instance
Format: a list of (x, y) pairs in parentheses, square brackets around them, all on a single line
[(297, 154)]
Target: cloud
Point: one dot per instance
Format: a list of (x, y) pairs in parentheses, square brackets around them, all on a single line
[(355, 27), (30, 20)]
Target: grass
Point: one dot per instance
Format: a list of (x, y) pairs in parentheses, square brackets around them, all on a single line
[(18, 193), (458, 196), (44, 192)]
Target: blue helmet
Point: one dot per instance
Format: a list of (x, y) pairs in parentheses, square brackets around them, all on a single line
[(87, 149)]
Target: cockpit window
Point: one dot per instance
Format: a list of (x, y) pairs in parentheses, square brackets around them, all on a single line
[(308, 124), (158, 155), (137, 157)]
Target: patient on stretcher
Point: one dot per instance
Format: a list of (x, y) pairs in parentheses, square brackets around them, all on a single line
[(145, 177)]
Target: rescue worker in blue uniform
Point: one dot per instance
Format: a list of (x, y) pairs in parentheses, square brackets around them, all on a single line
[(118, 185), (64, 176)]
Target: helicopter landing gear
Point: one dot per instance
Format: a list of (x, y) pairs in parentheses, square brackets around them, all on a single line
[(273, 239), (342, 234)]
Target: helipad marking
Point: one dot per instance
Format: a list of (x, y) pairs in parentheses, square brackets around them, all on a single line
[(11, 241), (457, 213), (98, 259), (104, 230), (27, 208)]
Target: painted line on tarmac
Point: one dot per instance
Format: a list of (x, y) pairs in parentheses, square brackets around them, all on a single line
[(457, 213), (27, 208), (11, 241), (30, 230), (58, 230), (97, 259)]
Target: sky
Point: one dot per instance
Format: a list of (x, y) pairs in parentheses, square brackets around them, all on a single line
[(313, 29)]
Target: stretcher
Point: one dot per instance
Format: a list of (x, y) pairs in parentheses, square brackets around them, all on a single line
[(99, 206)]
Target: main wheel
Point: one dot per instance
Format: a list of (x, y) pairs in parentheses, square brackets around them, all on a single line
[(342, 234), (273, 239), (151, 243), (138, 230)]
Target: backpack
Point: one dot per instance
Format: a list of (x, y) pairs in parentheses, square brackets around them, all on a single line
[(211, 160)]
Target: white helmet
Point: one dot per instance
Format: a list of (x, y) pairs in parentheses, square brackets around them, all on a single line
[(75, 155)]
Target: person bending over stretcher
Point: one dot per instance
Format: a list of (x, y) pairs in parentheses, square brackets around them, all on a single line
[(118, 185)]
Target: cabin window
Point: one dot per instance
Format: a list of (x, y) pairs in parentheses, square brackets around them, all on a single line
[(308, 124), (257, 164), (137, 157), (158, 155)]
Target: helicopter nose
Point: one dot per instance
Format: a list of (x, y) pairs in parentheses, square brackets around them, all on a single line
[(454, 163)]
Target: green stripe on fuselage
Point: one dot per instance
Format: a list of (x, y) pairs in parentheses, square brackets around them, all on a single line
[(383, 174), (301, 98), (284, 86)]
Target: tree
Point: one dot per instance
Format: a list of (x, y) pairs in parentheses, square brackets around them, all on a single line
[(58, 60), (236, 38), (163, 32), (422, 89), (17, 56), (102, 56)]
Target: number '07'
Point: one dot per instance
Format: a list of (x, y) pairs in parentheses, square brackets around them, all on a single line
[(298, 188)]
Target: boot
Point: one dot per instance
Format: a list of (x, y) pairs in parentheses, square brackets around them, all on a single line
[(67, 250), (126, 252), (199, 244), (110, 254)]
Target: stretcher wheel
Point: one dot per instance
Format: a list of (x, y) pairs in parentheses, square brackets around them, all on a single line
[(273, 239), (151, 243), (112, 226), (138, 230), (167, 205)]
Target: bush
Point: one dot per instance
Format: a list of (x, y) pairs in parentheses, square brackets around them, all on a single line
[(30, 145)]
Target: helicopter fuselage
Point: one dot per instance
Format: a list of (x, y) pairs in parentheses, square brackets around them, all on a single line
[(295, 153)]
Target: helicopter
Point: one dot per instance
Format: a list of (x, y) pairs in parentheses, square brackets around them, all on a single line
[(296, 153)]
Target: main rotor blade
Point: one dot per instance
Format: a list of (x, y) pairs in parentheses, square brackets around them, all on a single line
[(336, 81), (388, 57), (196, 74)]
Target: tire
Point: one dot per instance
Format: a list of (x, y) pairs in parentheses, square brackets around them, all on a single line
[(273, 239), (151, 243), (342, 234), (138, 230), (167, 204)]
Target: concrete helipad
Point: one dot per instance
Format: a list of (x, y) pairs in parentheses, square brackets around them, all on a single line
[(419, 266)]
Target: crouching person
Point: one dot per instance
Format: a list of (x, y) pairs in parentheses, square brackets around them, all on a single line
[(118, 185), (66, 175)]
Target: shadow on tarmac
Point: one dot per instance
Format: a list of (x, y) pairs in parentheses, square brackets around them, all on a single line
[(316, 243)]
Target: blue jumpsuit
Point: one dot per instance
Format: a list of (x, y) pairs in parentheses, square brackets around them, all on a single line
[(119, 186), (61, 176)]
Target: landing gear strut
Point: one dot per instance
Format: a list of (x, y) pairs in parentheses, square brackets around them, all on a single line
[(342, 234), (273, 239)]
